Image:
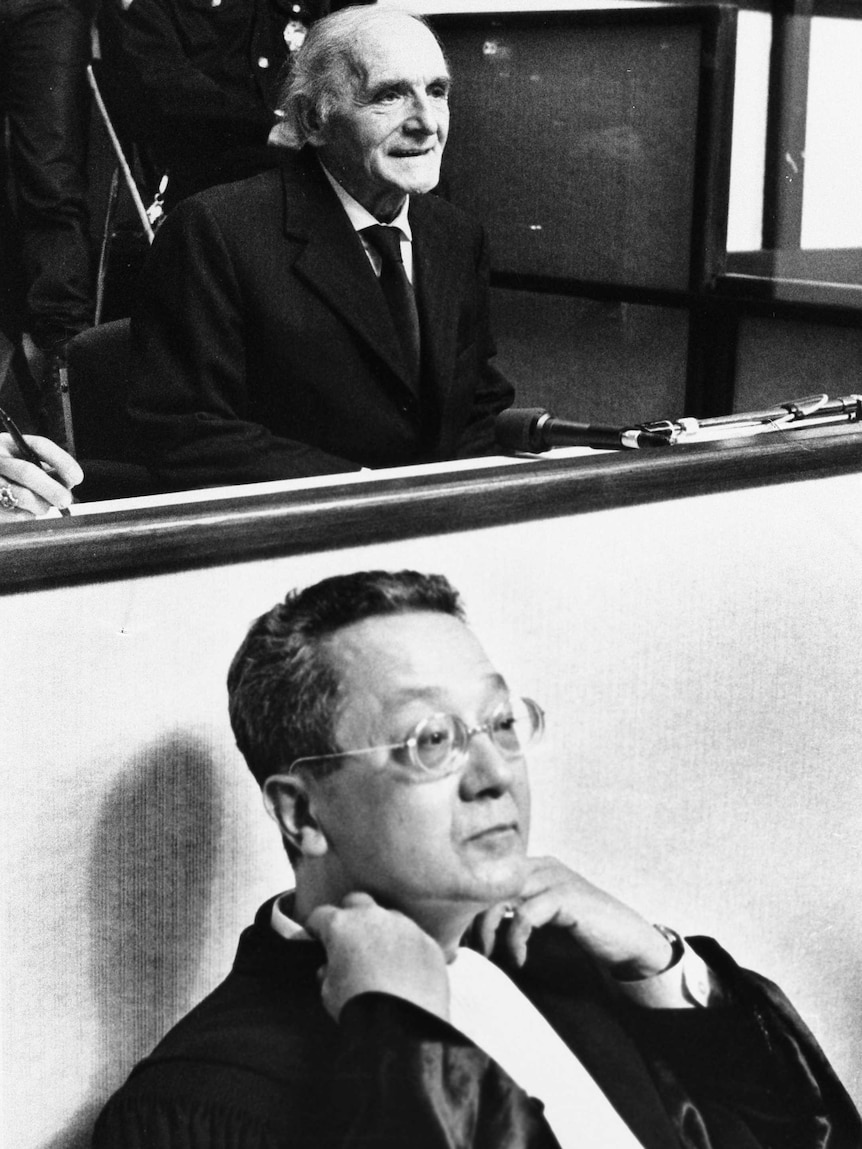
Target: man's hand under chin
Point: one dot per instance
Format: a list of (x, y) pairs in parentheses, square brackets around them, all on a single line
[(373, 950), (615, 935)]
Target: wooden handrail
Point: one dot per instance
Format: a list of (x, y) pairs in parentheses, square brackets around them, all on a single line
[(53, 552)]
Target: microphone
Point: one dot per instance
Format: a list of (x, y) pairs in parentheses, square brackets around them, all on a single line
[(534, 429)]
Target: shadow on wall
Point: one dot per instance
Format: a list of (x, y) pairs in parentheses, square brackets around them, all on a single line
[(78, 1132), (156, 847)]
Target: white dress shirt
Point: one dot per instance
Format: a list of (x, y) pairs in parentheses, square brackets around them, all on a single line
[(361, 218)]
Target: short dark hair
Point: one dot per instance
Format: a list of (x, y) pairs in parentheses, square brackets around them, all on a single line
[(283, 689)]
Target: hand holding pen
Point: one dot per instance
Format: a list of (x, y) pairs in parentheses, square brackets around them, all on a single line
[(35, 474)]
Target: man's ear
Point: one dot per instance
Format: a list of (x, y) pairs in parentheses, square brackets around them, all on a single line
[(312, 128), (287, 799)]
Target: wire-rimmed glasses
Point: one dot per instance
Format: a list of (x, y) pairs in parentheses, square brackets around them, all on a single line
[(438, 744)]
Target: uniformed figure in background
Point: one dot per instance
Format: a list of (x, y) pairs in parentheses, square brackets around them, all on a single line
[(193, 82), (46, 283)]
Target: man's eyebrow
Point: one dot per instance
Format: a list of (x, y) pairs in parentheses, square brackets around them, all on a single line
[(495, 682), (396, 83), (444, 80), (412, 693), (402, 83)]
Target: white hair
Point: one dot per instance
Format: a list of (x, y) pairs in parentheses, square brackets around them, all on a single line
[(326, 66)]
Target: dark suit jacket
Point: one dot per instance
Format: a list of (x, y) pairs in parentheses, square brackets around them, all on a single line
[(259, 1064), (264, 347)]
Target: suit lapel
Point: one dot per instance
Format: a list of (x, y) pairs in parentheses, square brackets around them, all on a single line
[(332, 260)]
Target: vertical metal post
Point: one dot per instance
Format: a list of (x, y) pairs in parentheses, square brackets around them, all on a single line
[(784, 174)]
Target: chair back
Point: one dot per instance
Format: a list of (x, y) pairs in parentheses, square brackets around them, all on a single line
[(97, 382), (98, 365)]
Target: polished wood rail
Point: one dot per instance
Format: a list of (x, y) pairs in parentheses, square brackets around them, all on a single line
[(54, 552)]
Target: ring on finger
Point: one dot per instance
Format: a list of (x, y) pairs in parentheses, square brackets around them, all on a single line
[(9, 501)]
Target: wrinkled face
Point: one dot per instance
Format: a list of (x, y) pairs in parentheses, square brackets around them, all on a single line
[(438, 849), (385, 138)]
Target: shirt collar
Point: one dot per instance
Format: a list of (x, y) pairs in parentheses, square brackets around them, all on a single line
[(360, 217), (282, 923)]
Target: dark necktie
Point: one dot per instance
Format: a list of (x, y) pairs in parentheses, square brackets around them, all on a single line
[(399, 293)]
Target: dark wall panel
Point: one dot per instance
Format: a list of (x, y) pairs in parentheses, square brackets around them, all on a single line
[(575, 143), (781, 359), (592, 361)]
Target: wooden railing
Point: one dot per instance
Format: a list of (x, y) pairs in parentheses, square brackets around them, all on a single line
[(90, 548)]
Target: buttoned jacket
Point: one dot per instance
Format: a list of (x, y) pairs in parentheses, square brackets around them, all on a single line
[(264, 347)]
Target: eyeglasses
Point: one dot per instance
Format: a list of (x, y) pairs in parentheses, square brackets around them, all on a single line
[(438, 744)]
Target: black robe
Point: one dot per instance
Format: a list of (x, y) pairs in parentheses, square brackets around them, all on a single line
[(259, 1064)]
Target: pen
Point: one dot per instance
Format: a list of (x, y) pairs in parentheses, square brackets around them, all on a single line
[(24, 448)]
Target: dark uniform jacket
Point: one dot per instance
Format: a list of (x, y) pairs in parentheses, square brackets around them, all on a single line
[(264, 347), (259, 1064), (194, 82)]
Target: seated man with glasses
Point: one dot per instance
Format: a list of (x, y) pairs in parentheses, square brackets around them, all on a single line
[(428, 983)]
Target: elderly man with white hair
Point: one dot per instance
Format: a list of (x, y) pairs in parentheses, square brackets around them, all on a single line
[(328, 315)]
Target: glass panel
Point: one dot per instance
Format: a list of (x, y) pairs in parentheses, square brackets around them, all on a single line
[(778, 360), (751, 87), (592, 361), (575, 145), (832, 205), (817, 222)]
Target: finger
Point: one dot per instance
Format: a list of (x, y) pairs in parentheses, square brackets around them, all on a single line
[(319, 922), (540, 909), (549, 907), (542, 873), (29, 477), (488, 923), (357, 900), (327, 996), (26, 503), (518, 937), (13, 516), (63, 466)]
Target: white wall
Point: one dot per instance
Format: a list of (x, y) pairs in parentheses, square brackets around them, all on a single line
[(748, 152), (832, 207), (699, 661)]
